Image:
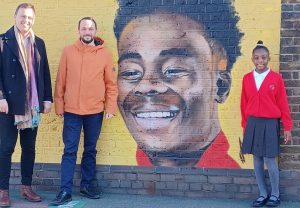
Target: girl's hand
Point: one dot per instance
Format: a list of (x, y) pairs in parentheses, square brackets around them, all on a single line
[(287, 136)]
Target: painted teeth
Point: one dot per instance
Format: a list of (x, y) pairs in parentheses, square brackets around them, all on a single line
[(164, 114)]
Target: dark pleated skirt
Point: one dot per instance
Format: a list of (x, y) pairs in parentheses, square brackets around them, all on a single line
[(261, 137)]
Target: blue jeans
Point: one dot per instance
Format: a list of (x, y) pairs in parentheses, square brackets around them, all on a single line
[(73, 124)]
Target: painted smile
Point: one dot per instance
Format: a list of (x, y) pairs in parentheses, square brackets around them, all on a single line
[(156, 114), (151, 119), (153, 114)]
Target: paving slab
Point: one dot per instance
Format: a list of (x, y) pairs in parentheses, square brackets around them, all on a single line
[(139, 201)]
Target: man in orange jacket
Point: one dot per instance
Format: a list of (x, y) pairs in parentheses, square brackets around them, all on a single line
[(85, 89)]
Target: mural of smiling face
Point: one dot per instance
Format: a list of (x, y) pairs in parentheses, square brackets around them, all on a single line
[(167, 76)]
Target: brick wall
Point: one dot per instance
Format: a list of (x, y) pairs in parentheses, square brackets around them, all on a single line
[(56, 23), (187, 182), (290, 68)]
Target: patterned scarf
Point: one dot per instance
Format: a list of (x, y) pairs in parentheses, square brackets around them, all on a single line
[(31, 118)]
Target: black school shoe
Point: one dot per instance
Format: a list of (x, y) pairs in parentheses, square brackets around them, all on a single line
[(260, 201), (273, 201), (86, 192)]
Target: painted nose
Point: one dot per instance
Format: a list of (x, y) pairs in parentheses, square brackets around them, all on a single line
[(151, 93), (150, 88)]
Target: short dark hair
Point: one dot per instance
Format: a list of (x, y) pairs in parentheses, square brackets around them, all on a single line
[(87, 18), (25, 6), (217, 17), (260, 45)]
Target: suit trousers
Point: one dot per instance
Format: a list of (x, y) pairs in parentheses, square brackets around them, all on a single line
[(8, 139)]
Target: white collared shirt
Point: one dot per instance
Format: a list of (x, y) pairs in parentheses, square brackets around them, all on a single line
[(259, 78)]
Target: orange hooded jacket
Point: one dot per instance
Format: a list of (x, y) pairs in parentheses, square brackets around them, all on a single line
[(86, 81)]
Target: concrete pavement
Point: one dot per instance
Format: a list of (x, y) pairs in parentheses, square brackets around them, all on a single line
[(139, 201)]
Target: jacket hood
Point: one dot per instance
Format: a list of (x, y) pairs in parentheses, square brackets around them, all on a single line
[(99, 44)]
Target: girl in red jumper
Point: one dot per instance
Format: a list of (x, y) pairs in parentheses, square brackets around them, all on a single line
[(263, 104)]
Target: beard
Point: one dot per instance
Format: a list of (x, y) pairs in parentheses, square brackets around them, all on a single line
[(87, 41)]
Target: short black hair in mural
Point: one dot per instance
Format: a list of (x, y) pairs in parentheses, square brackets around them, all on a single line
[(218, 18)]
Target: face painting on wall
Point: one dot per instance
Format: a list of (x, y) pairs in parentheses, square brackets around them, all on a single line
[(221, 30), (170, 71)]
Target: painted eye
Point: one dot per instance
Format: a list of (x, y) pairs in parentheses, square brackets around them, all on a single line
[(131, 74), (173, 72)]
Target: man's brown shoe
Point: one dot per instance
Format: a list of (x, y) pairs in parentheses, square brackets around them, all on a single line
[(28, 193), (4, 198)]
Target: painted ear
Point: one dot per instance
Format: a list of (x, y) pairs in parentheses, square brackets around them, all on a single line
[(223, 86), (223, 81)]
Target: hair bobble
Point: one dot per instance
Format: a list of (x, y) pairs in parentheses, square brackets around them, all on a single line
[(260, 43)]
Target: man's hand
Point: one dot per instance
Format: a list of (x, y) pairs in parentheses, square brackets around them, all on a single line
[(61, 115), (47, 107), (287, 136), (109, 115), (3, 106)]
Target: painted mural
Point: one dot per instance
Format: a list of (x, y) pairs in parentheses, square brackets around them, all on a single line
[(174, 70), (180, 65)]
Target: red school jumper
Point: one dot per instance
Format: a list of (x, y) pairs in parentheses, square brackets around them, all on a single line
[(270, 101)]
